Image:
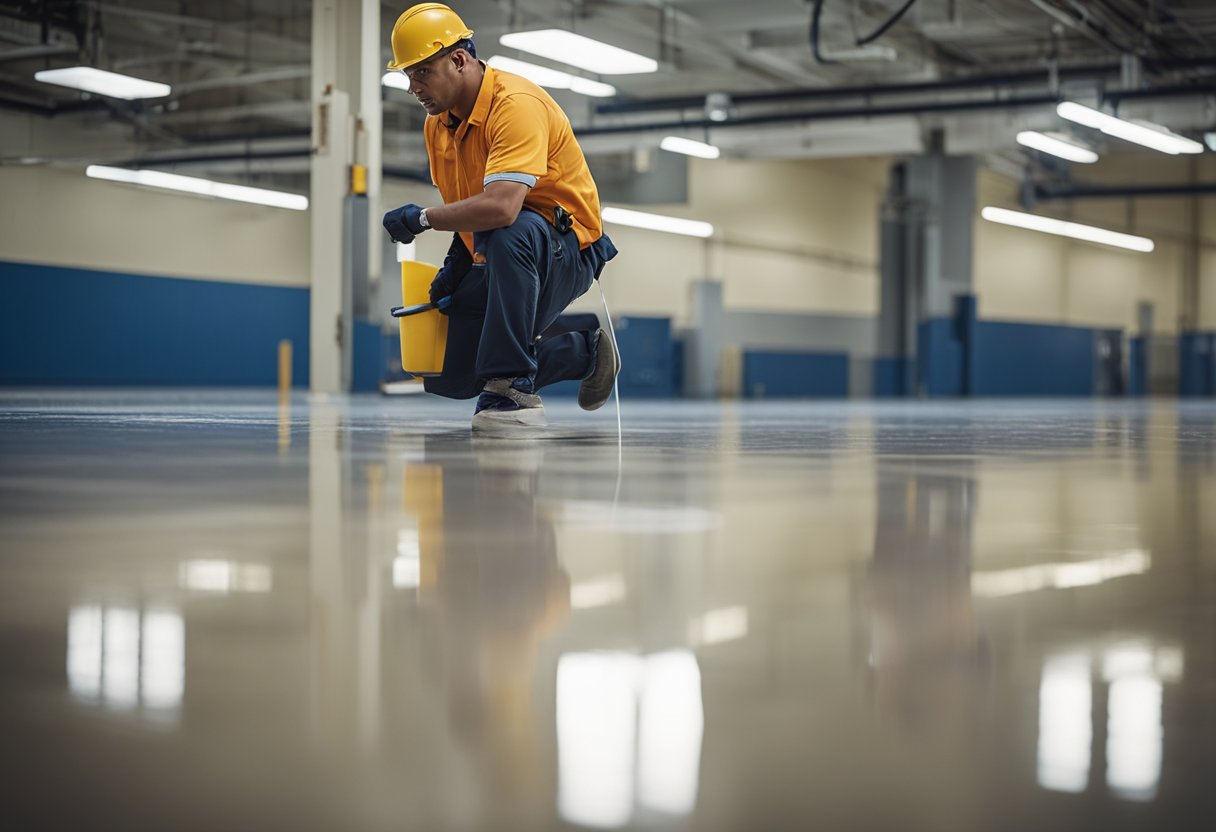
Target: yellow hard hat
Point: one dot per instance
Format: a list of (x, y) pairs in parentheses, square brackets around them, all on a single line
[(422, 31)]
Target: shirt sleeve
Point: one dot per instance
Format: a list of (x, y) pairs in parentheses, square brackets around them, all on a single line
[(518, 134)]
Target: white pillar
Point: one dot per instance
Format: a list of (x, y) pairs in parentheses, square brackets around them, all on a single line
[(370, 113)]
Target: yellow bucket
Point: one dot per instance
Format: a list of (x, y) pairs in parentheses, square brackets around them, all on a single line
[(424, 335)]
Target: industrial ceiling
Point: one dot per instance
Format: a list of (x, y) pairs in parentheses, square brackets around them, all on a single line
[(801, 79)]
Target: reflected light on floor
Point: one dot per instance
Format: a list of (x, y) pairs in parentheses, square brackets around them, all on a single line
[(671, 722), (628, 727), (717, 626), (1065, 729), (1135, 672), (1133, 737), (123, 659), (1133, 727), (1003, 582), (407, 566), (224, 576), (596, 715), (597, 592), (588, 515)]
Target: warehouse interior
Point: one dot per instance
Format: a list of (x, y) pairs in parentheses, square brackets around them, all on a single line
[(895, 522)]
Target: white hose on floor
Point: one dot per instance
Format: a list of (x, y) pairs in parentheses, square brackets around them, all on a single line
[(616, 392)]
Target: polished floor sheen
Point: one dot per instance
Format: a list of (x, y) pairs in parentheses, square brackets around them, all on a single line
[(222, 613)]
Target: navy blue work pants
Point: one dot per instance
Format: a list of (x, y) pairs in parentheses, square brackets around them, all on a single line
[(500, 310)]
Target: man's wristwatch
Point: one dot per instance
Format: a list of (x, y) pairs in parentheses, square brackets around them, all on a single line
[(422, 219)]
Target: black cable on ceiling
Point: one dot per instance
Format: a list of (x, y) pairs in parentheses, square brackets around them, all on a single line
[(881, 30), (817, 10)]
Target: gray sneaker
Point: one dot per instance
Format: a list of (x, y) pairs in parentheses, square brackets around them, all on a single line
[(597, 387), (502, 406)]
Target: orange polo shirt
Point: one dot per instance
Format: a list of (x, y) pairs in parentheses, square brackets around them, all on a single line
[(518, 133)]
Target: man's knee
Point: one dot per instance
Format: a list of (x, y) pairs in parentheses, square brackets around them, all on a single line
[(517, 240)]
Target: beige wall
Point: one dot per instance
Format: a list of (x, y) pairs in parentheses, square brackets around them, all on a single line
[(61, 217), (1026, 275)]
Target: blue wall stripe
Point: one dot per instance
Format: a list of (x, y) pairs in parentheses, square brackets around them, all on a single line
[(1197, 364), (939, 358), (790, 374), (1014, 359), (66, 326)]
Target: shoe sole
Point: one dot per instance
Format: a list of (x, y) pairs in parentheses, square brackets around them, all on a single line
[(600, 400), (505, 420)]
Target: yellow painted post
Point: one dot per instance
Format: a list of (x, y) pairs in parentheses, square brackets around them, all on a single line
[(284, 369)]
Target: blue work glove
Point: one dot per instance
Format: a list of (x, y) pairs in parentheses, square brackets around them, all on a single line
[(455, 266), (402, 224)]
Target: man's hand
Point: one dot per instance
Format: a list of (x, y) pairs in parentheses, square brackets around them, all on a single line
[(455, 265), (403, 224)]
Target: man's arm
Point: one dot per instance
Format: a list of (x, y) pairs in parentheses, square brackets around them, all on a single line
[(495, 207)]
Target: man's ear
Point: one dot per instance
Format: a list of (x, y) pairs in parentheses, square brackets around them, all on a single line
[(460, 59)]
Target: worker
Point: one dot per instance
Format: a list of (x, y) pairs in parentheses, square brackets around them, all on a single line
[(529, 237)]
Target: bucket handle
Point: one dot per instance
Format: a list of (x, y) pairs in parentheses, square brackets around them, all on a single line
[(406, 311)]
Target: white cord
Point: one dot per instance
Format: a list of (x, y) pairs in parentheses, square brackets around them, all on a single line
[(616, 392)]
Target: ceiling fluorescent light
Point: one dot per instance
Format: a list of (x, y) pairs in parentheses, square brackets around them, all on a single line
[(576, 50), (689, 147), (203, 187), (1146, 134), (103, 83), (552, 78), (658, 222), (869, 52), (396, 80), (1089, 233), (1057, 145)]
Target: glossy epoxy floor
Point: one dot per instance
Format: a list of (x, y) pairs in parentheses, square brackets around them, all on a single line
[(220, 613)]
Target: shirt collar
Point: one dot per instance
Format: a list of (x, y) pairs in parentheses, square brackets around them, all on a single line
[(482, 106)]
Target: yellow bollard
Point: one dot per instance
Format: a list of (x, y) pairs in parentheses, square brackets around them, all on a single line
[(424, 337), (285, 369)]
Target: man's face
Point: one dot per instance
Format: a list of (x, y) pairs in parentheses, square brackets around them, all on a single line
[(436, 83)]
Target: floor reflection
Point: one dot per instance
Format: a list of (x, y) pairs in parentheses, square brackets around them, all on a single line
[(929, 661), (629, 735), (1130, 677), (127, 659), (915, 616)]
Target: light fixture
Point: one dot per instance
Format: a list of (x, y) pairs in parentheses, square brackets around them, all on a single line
[(194, 185), (1210, 138), (1067, 229), (103, 83), (552, 78), (396, 80), (1057, 145), (689, 147), (1142, 132), (576, 50), (868, 52), (718, 106), (658, 222)]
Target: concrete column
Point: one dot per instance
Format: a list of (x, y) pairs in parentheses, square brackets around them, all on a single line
[(346, 129), (705, 339), (370, 117), (1189, 302), (945, 187), (927, 249)]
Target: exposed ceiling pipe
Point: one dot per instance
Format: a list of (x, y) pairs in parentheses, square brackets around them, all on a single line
[(1095, 71), (23, 53), (1044, 193), (912, 108), (289, 73), (839, 113)]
